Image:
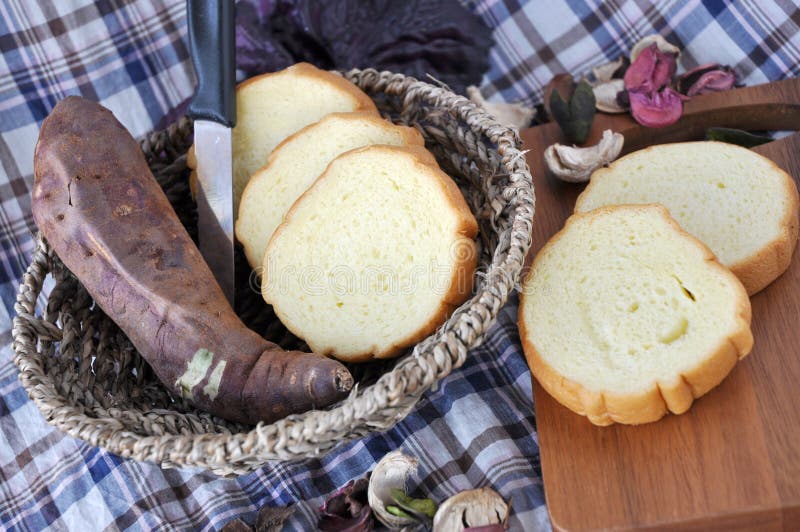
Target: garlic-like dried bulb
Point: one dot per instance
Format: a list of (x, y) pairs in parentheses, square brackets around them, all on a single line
[(605, 96), (575, 165), (391, 472), (475, 508)]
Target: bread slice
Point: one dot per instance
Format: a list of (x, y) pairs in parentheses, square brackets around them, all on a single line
[(272, 106), (625, 316), (297, 162), (737, 202), (374, 256)]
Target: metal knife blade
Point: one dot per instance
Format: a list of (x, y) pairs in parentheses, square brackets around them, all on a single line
[(212, 147), (212, 42)]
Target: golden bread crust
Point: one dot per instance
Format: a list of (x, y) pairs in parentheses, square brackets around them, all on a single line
[(673, 394)]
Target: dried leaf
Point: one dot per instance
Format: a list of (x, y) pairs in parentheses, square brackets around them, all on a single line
[(736, 136), (564, 85), (576, 115), (237, 525), (271, 518), (415, 37), (347, 509)]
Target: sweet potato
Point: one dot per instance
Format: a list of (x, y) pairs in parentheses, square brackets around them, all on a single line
[(101, 209)]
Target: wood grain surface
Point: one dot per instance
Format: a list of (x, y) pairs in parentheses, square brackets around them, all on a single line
[(733, 461)]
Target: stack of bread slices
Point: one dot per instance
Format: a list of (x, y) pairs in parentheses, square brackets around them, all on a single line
[(363, 244), (640, 303)]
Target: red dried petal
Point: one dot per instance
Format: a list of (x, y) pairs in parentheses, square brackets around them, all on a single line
[(639, 75), (652, 70), (657, 109), (665, 68), (712, 81)]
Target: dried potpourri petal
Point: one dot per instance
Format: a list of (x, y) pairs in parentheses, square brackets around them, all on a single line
[(711, 77), (347, 509)]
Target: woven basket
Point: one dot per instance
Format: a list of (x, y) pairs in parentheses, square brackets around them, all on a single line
[(89, 381)]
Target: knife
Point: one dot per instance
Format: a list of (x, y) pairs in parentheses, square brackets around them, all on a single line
[(213, 108)]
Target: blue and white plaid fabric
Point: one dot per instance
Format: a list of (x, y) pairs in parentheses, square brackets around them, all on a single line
[(477, 428)]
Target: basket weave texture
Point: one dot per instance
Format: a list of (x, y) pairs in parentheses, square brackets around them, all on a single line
[(88, 380)]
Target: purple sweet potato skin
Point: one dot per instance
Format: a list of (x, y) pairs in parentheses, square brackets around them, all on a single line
[(102, 211)]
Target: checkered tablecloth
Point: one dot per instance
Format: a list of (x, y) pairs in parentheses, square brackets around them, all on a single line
[(477, 428)]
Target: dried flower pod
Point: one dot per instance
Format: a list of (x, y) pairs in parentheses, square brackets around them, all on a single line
[(564, 85), (660, 42), (392, 471), (605, 95), (656, 109), (514, 115), (613, 70), (650, 71), (575, 165), (575, 116), (471, 509), (711, 77)]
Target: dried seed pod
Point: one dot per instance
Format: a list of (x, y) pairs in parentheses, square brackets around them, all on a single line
[(473, 508), (391, 472), (605, 96), (514, 115), (659, 41), (575, 165), (613, 70)]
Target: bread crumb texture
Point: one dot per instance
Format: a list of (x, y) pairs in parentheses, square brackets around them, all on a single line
[(374, 256), (272, 106), (740, 204), (297, 162), (624, 316)]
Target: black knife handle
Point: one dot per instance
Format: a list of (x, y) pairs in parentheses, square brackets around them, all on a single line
[(213, 45)]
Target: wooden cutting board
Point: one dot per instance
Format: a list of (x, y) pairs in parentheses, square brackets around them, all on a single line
[(733, 461)]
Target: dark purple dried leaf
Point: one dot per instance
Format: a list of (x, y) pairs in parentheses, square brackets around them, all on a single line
[(360, 523), (416, 37), (711, 77), (652, 70), (257, 47), (347, 509), (271, 518), (657, 109), (497, 527), (237, 525)]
